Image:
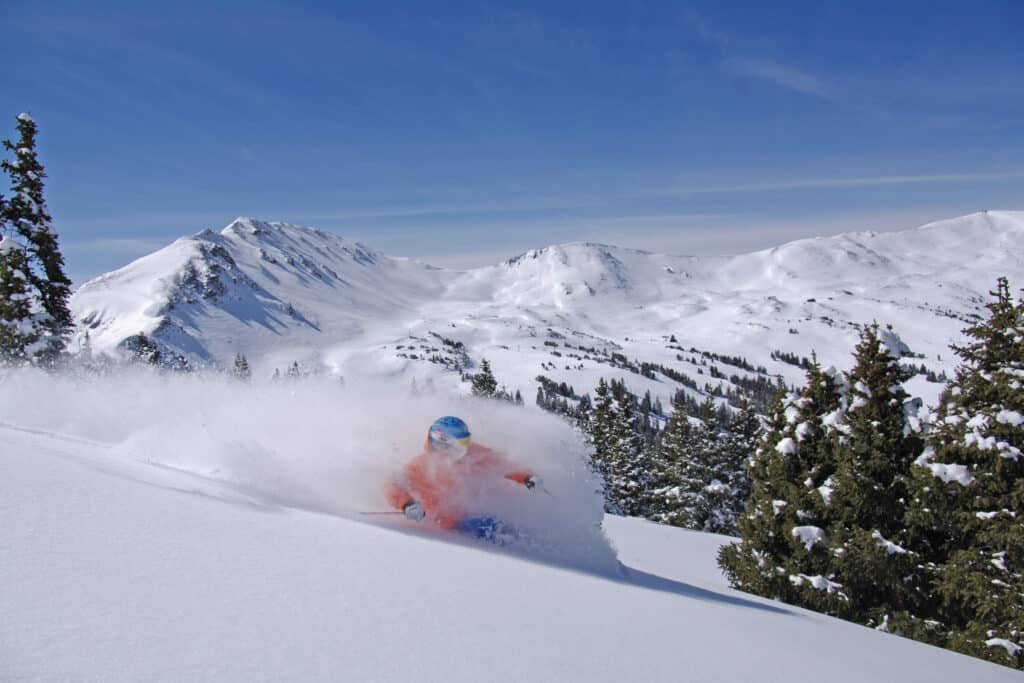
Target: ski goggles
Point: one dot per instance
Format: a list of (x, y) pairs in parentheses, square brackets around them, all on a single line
[(452, 446)]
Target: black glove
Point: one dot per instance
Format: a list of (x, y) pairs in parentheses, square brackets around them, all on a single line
[(533, 481)]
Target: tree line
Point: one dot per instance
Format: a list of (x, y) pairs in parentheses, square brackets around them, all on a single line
[(864, 511)]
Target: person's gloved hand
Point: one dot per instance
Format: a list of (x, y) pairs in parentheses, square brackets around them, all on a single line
[(413, 510), (533, 481)]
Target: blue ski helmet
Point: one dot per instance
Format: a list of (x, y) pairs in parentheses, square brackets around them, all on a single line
[(450, 435)]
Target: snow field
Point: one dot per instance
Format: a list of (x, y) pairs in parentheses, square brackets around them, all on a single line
[(114, 569)]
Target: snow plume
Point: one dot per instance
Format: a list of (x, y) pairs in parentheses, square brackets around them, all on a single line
[(321, 445)]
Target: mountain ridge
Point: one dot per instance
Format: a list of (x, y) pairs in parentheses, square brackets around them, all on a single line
[(282, 293)]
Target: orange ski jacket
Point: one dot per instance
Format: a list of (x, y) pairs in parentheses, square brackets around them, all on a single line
[(434, 481)]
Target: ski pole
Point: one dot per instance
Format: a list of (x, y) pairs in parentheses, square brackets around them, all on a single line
[(386, 512)]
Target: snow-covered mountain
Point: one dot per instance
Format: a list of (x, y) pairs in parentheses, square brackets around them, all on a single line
[(281, 293), (252, 285)]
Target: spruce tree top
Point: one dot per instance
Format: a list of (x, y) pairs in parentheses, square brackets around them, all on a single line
[(26, 208)]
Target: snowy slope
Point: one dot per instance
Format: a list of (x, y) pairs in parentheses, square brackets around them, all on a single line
[(117, 570), (281, 293)]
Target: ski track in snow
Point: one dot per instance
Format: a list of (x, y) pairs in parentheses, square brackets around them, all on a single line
[(316, 447), (97, 457)]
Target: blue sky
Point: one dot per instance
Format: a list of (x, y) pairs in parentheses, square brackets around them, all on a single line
[(463, 133)]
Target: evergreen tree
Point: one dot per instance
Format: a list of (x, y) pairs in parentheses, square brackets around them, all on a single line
[(17, 333), (519, 398), (695, 470), (666, 502), (966, 518), (241, 368), (599, 430), (708, 411), (710, 466), (729, 489), (27, 220), (646, 405), (870, 487), (582, 413), (783, 553), (619, 456), (630, 466), (483, 383), (142, 349)]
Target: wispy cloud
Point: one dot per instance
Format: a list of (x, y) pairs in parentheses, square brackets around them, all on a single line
[(118, 245), (782, 75), (738, 234), (418, 211), (822, 183), (546, 203), (757, 68), (661, 219), (692, 234), (705, 31)]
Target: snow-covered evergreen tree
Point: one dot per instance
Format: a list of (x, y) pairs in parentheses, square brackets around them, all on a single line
[(17, 333), (599, 430), (666, 502), (783, 553), (630, 462), (26, 221), (582, 414), (967, 512), (620, 455), (879, 441), (730, 487), (484, 383), (241, 368), (698, 471), (696, 467)]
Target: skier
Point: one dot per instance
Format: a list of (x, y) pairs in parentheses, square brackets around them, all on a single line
[(449, 467)]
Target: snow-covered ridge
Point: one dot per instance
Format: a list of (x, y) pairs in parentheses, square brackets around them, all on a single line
[(282, 292), (256, 279)]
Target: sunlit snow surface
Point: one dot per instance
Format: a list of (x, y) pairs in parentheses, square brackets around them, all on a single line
[(180, 528)]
